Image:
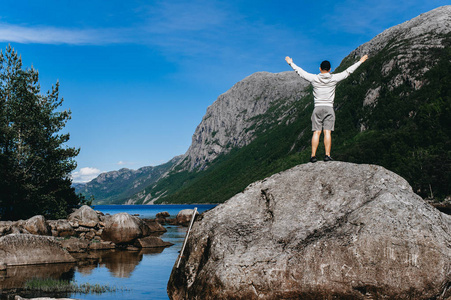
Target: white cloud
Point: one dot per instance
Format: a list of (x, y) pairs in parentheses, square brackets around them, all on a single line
[(85, 175), (195, 29), (53, 35)]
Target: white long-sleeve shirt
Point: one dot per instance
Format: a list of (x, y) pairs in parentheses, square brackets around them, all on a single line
[(324, 83)]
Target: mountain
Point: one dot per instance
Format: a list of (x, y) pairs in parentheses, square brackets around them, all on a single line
[(78, 186), (116, 187), (235, 118), (231, 122), (393, 111)]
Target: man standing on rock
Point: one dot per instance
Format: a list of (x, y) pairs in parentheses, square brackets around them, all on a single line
[(323, 117)]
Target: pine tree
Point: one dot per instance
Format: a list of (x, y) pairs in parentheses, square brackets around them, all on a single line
[(35, 164)]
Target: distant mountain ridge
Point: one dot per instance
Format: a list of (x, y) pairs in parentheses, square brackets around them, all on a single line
[(116, 187), (392, 111)]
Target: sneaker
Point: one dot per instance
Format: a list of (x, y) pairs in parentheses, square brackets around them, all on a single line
[(313, 159), (328, 158)]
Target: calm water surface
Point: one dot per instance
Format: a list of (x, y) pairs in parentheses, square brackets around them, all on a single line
[(145, 273), (141, 274), (149, 211)]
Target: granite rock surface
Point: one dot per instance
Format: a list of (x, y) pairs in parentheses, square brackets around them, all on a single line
[(319, 231)]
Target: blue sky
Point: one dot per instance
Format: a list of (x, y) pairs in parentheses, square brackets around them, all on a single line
[(138, 76)]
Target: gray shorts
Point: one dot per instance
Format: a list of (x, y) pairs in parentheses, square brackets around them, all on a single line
[(323, 117)]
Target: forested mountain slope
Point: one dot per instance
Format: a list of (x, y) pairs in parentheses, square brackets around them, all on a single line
[(393, 111)]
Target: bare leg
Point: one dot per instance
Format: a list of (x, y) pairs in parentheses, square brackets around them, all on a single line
[(315, 141), (327, 141)]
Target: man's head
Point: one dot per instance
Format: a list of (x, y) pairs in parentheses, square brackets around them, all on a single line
[(325, 66)]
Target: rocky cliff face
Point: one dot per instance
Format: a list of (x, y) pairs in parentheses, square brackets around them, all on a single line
[(409, 50), (233, 119), (319, 231), (424, 32)]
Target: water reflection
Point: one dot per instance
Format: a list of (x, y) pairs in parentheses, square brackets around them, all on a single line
[(14, 278), (144, 272), (120, 263)]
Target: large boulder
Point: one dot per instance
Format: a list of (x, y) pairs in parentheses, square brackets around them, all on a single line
[(319, 231), (184, 217), (84, 216), (28, 249), (122, 228), (37, 225)]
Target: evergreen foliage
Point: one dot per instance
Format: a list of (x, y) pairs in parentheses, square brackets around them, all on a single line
[(35, 166), (408, 131)]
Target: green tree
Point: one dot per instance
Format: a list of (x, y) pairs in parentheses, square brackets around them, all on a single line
[(35, 164)]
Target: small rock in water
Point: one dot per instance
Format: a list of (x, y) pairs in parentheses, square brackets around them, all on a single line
[(184, 217), (151, 242)]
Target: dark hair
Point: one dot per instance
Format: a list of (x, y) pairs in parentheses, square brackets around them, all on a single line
[(325, 65)]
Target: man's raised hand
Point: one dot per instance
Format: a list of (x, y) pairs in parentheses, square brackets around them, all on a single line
[(288, 59)]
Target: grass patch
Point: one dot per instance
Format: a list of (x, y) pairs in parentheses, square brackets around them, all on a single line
[(50, 285)]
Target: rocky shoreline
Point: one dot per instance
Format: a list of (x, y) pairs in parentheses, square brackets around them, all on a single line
[(40, 241), (86, 238)]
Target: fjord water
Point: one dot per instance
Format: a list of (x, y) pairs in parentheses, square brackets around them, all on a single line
[(150, 211), (143, 274), (139, 274)]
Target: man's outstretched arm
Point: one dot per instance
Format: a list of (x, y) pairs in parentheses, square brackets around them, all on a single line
[(307, 76), (351, 69)]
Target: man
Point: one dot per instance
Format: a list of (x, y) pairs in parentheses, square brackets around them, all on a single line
[(323, 117)]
